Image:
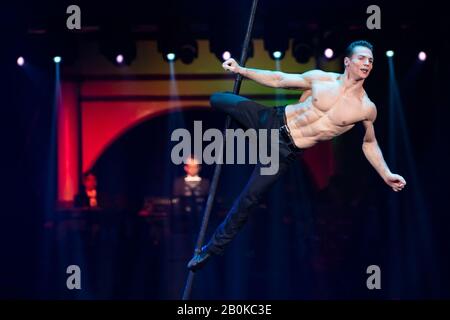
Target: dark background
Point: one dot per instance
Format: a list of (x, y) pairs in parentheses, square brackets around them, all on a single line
[(319, 250)]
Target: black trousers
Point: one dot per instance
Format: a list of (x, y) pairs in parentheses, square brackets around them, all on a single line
[(250, 114)]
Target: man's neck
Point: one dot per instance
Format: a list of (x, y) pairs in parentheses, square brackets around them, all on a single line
[(351, 85)]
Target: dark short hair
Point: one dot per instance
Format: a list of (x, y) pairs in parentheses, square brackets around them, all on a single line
[(358, 43)]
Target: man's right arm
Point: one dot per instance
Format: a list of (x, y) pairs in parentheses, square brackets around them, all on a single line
[(277, 79)]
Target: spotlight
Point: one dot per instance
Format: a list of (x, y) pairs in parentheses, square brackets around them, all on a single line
[(119, 58), (328, 53), (329, 43), (175, 41), (20, 61), (171, 56), (422, 56), (117, 44), (61, 46), (223, 39), (276, 34), (389, 53), (226, 55), (277, 55), (168, 48)]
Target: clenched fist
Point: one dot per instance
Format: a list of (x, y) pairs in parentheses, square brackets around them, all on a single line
[(231, 65)]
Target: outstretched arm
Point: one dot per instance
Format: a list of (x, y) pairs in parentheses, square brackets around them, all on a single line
[(375, 157), (277, 79)]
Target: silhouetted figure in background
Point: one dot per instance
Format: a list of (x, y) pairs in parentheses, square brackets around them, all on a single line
[(88, 197), (192, 185), (189, 195)]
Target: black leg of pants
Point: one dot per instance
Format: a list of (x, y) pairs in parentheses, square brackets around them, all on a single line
[(250, 115)]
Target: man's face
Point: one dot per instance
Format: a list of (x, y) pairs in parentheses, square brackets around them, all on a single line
[(90, 182), (360, 64), (192, 169), (192, 166)]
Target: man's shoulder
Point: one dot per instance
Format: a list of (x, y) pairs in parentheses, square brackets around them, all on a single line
[(325, 74), (179, 180), (367, 102), (369, 107), (320, 75), (333, 75)]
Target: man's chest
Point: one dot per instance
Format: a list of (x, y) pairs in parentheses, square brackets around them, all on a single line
[(341, 109)]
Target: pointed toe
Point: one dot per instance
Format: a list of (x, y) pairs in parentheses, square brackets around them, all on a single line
[(199, 260)]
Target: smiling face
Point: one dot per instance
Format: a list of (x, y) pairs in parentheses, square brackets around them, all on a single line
[(360, 63)]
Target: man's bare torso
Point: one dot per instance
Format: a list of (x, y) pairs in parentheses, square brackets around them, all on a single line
[(325, 112)]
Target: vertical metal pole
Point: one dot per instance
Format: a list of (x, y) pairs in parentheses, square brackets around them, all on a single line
[(217, 170)]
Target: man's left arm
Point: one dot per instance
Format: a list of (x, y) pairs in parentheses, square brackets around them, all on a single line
[(374, 155)]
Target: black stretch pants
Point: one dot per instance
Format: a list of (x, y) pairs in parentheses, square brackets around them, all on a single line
[(249, 114)]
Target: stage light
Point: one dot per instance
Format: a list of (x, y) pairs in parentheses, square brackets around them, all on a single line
[(171, 56), (226, 55), (329, 43), (222, 39), (119, 58), (276, 34), (422, 56), (117, 44), (302, 51), (188, 51), (389, 53), (277, 54), (60, 47), (328, 53), (175, 41), (20, 61)]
